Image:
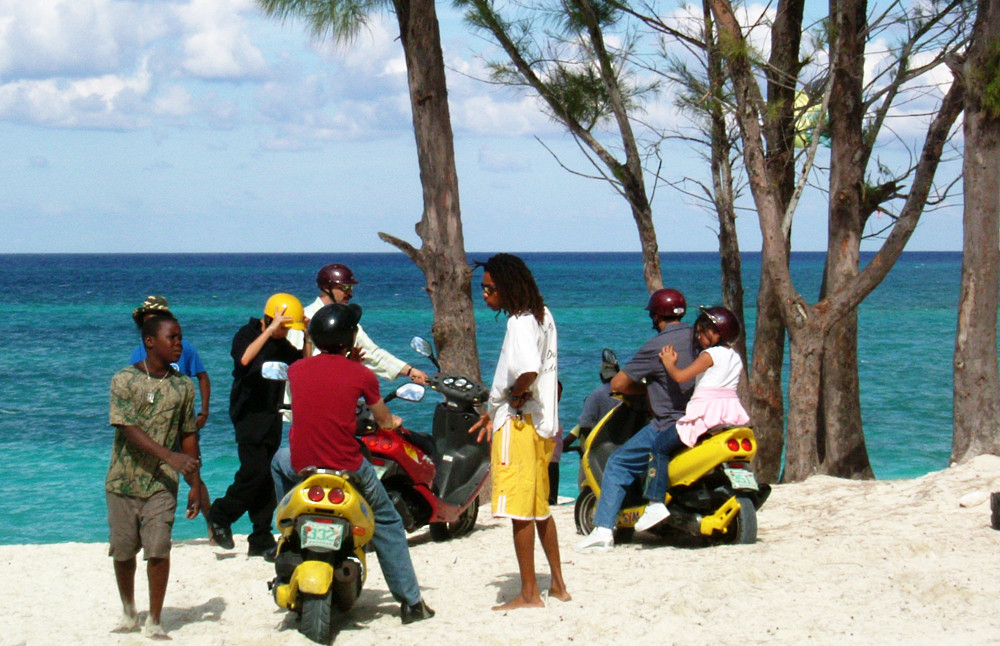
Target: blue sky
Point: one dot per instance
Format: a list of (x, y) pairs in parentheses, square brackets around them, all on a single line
[(201, 126)]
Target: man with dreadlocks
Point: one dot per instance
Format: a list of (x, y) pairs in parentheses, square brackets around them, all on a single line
[(522, 420)]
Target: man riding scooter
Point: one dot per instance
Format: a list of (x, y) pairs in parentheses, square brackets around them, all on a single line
[(325, 389), (667, 399)]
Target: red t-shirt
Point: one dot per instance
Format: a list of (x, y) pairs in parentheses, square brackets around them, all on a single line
[(325, 391)]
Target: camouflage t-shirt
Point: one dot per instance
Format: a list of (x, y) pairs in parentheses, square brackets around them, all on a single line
[(163, 409)]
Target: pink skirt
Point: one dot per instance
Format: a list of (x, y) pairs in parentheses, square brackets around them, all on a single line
[(710, 407)]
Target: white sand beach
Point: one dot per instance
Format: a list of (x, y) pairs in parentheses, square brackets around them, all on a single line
[(837, 562)]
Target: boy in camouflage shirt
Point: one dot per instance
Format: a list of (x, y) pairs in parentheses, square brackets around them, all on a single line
[(151, 405)]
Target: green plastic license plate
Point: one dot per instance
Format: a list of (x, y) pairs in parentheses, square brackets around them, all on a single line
[(319, 535), (742, 479)]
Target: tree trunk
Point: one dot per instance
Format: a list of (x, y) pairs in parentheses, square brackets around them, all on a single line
[(977, 386), (841, 443), (631, 172), (442, 255), (765, 392), (801, 454)]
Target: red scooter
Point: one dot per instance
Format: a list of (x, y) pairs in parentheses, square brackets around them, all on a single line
[(433, 479)]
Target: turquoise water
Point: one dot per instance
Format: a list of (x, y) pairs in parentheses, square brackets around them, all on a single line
[(66, 329)]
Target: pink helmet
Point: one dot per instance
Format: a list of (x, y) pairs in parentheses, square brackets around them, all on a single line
[(332, 275), (668, 303), (723, 320)]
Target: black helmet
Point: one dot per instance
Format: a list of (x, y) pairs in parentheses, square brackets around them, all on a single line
[(334, 326), (668, 303), (332, 275), (723, 320)]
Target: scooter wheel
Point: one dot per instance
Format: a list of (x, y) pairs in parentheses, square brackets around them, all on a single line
[(583, 511), (317, 617), (464, 524), (743, 529)]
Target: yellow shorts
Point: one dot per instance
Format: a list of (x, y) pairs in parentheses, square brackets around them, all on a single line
[(519, 462)]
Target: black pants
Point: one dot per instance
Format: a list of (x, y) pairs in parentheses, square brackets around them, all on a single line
[(252, 492)]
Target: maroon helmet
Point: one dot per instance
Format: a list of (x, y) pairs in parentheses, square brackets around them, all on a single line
[(723, 320), (332, 275), (668, 303)]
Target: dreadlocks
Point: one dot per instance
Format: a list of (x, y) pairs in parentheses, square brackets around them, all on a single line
[(518, 292)]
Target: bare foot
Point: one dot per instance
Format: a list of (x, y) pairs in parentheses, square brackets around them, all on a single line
[(520, 602), (561, 594), (155, 631), (128, 623)]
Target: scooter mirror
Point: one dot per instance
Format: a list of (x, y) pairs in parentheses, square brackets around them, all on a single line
[(274, 370), (421, 346), (411, 392), (608, 356)]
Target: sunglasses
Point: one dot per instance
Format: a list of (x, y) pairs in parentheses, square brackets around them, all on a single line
[(489, 290), (345, 288)]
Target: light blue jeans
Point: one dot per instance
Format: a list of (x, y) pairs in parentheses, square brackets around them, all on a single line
[(626, 464), (282, 473), (390, 536)]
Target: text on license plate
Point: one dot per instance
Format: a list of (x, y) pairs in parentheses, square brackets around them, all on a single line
[(321, 535), (742, 479)]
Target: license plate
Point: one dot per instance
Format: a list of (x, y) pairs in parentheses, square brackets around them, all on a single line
[(317, 535), (742, 479)]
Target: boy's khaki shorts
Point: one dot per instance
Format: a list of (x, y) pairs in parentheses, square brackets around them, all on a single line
[(140, 523), (519, 461)]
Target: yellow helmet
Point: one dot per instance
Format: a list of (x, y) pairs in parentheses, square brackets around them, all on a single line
[(287, 305)]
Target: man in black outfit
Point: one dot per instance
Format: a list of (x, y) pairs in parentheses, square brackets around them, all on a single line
[(254, 408)]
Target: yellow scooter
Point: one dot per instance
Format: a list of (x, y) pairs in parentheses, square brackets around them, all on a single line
[(320, 564), (713, 492)]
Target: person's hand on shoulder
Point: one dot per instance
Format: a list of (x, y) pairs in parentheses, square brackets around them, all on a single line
[(668, 356)]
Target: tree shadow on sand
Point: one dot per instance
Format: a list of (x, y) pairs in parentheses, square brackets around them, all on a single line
[(174, 618)]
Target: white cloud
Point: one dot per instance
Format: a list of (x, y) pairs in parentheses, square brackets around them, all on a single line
[(96, 102), (216, 45), (99, 63)]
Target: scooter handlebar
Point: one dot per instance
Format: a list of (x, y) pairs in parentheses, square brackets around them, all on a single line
[(460, 389)]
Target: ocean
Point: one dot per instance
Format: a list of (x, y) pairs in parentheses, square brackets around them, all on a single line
[(67, 328)]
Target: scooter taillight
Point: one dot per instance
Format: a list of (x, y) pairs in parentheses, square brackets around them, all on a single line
[(316, 493), (336, 496), (733, 444), (747, 444)]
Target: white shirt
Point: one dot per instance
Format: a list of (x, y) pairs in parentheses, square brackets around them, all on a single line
[(724, 371), (381, 362), (528, 347)]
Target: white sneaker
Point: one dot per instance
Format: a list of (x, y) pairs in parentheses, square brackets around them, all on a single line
[(600, 539), (655, 514)]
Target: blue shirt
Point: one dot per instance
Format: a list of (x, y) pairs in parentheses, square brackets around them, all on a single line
[(667, 398), (189, 364)]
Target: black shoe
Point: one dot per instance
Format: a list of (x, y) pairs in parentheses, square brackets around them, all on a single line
[(263, 550), (417, 612), (222, 535)]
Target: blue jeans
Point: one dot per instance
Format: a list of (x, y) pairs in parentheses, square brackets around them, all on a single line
[(282, 473), (390, 537), (625, 465), (658, 477)]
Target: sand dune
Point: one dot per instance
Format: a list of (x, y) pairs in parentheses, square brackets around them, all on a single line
[(837, 561)]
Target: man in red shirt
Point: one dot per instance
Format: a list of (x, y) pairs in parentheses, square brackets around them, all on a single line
[(325, 390)]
